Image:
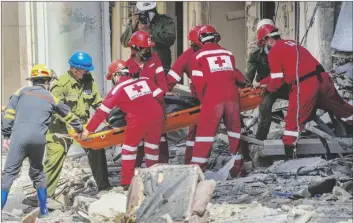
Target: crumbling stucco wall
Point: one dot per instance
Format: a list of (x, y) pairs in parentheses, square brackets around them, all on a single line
[(15, 50), (252, 15), (320, 35), (285, 19)]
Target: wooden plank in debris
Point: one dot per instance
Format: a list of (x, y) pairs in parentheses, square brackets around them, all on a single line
[(305, 147), (31, 217), (248, 139)]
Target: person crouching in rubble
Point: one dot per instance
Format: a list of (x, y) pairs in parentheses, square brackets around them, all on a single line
[(317, 88), (143, 103), (215, 76), (149, 65), (26, 120), (258, 63)]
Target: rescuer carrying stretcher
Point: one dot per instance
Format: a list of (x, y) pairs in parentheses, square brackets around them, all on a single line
[(317, 88), (26, 121), (215, 77), (133, 94)]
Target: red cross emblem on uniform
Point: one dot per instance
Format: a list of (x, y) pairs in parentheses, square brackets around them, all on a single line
[(219, 61), (137, 88)]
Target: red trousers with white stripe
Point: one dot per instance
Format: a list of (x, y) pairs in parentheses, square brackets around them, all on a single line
[(163, 151), (214, 108), (313, 94), (191, 134), (148, 130)]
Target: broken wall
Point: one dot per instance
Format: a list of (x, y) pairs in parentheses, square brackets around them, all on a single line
[(14, 48), (320, 35), (76, 27), (285, 21)]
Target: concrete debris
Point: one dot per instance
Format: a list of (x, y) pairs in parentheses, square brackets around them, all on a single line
[(343, 37), (111, 207)]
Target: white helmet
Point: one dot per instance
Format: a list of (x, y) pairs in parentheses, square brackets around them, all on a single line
[(146, 6), (264, 22)]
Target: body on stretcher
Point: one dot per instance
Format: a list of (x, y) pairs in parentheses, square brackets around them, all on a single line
[(182, 111)]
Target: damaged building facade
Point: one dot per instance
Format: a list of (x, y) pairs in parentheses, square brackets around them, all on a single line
[(49, 32)]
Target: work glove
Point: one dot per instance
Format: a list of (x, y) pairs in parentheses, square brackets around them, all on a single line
[(6, 143), (256, 85), (172, 94)]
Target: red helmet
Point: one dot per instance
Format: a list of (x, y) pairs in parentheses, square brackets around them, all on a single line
[(266, 27), (193, 35), (114, 67), (141, 39), (208, 32)]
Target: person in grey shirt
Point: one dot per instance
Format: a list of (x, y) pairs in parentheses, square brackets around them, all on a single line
[(24, 126)]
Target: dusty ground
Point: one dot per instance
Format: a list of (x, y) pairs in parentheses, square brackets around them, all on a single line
[(266, 193)]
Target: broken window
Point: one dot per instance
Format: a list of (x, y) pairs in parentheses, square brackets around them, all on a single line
[(268, 10)]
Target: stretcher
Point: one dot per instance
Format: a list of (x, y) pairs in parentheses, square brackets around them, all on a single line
[(182, 111)]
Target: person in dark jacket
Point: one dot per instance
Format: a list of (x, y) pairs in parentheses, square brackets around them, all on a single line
[(161, 28), (24, 126), (258, 63)]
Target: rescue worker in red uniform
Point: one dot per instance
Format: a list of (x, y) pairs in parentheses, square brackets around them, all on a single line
[(215, 78), (181, 65), (149, 65), (113, 68), (317, 88), (142, 102)]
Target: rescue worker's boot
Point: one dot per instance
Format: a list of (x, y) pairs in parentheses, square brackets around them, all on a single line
[(4, 195), (42, 201), (288, 150)]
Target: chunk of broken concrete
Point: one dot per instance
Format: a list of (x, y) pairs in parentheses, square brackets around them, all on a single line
[(167, 189), (341, 194), (111, 207), (321, 187), (203, 195)]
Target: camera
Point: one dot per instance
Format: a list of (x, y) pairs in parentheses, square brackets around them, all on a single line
[(143, 18)]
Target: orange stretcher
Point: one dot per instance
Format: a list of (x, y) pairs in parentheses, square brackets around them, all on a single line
[(249, 99)]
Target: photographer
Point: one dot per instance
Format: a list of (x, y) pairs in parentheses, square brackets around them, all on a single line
[(161, 28)]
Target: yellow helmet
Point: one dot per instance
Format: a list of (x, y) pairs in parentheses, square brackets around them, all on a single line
[(41, 71)]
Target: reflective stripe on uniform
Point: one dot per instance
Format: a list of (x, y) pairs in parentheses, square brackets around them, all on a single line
[(10, 111), (128, 157), (204, 139), (190, 143), (350, 118), (174, 75), (129, 148), (105, 108), (290, 133), (234, 135), (208, 52), (156, 92), (151, 146), (159, 69), (152, 157), (9, 117), (198, 160), (276, 75), (197, 73)]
